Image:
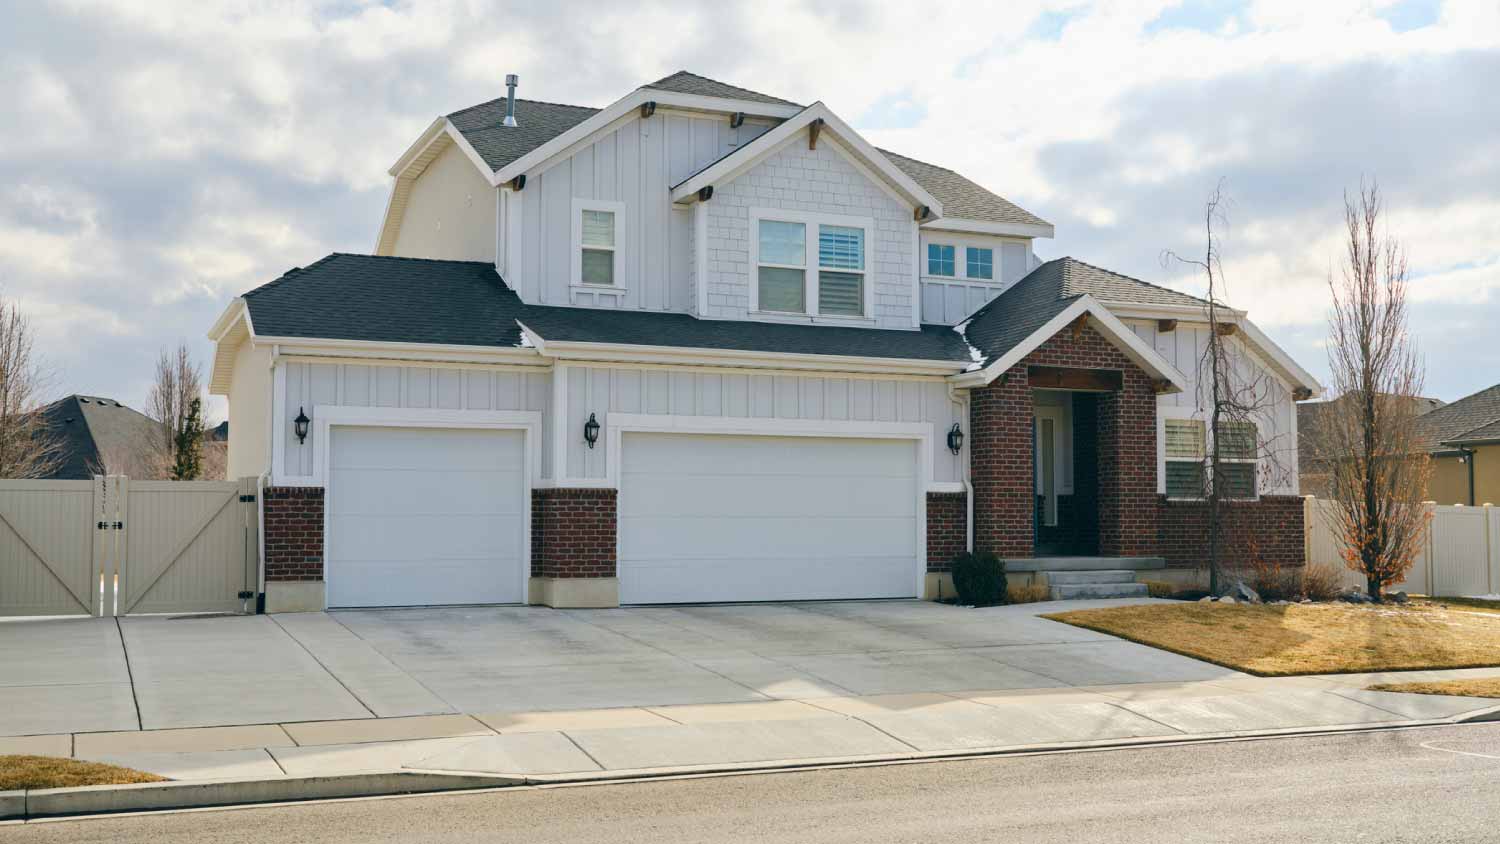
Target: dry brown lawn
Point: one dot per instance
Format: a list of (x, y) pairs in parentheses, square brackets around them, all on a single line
[(52, 772), (1482, 687), (1307, 638)]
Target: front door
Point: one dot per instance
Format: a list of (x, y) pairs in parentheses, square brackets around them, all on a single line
[(1047, 449)]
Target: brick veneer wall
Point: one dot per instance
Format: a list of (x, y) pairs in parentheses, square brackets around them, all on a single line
[(1001, 451), (1270, 528), (573, 532), (947, 533), (293, 532)]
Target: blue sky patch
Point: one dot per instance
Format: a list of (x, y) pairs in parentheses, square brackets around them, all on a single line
[(1202, 15)]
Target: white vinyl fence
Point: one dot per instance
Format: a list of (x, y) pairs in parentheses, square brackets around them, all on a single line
[(113, 546), (1461, 555)]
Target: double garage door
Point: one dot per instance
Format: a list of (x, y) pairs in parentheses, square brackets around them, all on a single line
[(436, 516)]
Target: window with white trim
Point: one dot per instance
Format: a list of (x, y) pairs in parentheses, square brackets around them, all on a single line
[(941, 259), (1185, 449), (804, 265), (980, 262), (1236, 474), (597, 260)]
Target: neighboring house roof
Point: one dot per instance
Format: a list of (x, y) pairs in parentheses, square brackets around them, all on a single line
[(1311, 413), (1013, 316), (961, 197), (417, 300), (92, 430), (539, 122), (220, 432), (1472, 418), (388, 299), (683, 82)]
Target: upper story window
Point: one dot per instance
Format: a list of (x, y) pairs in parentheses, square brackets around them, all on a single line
[(805, 265), (940, 259), (596, 238), (980, 262)]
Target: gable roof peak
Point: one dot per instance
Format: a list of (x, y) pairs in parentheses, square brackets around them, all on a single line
[(687, 82)]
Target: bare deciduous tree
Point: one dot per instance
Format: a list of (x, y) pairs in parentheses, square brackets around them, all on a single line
[(178, 384), (1239, 399), (28, 448), (1370, 436)]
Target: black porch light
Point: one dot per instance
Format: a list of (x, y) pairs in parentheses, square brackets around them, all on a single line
[(955, 439), (591, 431), (300, 425)]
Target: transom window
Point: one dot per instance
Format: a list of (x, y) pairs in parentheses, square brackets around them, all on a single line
[(980, 262), (595, 241), (1185, 451), (810, 267), (940, 259)]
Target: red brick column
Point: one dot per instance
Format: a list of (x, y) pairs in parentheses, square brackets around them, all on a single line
[(947, 534), (1000, 465), (1127, 468), (292, 529), (573, 532), (1270, 529)]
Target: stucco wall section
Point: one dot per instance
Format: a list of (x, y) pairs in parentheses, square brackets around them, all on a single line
[(249, 412), (816, 181), (450, 212)]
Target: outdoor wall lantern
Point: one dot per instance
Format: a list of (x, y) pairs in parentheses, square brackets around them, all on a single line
[(591, 431), (300, 425), (955, 439)]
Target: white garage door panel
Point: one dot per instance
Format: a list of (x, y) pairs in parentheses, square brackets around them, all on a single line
[(422, 516), (723, 518)]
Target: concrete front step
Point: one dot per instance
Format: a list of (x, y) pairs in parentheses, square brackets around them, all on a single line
[(1070, 578), (1052, 564), (1081, 591)]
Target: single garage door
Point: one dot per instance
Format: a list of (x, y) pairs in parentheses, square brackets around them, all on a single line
[(425, 516), (729, 518)]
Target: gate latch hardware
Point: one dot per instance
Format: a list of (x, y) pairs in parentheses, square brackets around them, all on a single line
[(246, 595), (246, 499), (111, 526)]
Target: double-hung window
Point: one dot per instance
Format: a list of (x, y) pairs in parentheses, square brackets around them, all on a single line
[(980, 262), (1185, 450), (804, 266), (596, 239), (940, 259), (1235, 476)]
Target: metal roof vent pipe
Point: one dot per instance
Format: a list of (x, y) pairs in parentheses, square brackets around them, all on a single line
[(511, 80)]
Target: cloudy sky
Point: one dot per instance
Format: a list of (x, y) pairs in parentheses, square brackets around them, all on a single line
[(158, 157)]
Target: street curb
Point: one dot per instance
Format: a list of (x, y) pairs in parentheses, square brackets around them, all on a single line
[(1489, 714), (195, 794)]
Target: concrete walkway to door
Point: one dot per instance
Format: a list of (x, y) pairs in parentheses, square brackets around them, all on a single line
[(549, 691)]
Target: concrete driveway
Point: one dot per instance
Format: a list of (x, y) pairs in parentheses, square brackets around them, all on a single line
[(85, 675)]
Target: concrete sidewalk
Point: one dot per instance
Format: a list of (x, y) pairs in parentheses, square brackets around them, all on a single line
[(594, 742)]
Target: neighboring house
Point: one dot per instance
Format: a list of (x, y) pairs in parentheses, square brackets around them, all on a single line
[(96, 435), (1315, 477), (1463, 439), (706, 344)]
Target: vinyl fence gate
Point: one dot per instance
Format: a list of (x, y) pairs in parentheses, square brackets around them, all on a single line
[(116, 546)]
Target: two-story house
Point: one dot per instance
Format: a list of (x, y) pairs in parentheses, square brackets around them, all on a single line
[(705, 344)]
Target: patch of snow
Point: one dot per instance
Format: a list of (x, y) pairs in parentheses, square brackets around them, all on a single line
[(1489, 597), (974, 354)]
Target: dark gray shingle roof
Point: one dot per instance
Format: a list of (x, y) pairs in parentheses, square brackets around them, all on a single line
[(536, 124), (961, 197), (90, 429), (1047, 291), (413, 300), (392, 300), (683, 82), (1471, 418)]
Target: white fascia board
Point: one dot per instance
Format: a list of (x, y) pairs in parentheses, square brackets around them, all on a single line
[(1118, 333), (417, 147), (958, 224), (672, 355), (1279, 359), (227, 318), (742, 160), (328, 347), (1141, 310), (622, 107)]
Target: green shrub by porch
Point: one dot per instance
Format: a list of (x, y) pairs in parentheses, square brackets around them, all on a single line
[(979, 578)]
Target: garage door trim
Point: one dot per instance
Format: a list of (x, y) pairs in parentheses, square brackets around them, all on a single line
[(326, 418), (618, 424)]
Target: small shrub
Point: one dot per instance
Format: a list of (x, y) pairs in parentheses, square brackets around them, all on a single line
[(1160, 589), (1321, 582), (1274, 582), (979, 578), (1027, 593)]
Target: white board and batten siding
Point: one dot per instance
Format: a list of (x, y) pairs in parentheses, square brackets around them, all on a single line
[(949, 300), (311, 385), (717, 393), (634, 165), (1183, 347)]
